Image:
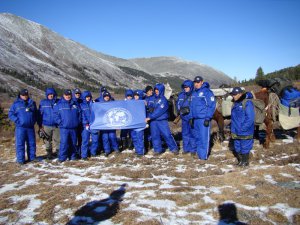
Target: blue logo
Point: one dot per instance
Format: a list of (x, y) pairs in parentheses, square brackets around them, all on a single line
[(117, 117)]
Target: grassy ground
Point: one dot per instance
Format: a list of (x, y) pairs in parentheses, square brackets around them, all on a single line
[(166, 189)]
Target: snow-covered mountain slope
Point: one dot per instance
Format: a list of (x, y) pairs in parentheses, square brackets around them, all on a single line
[(34, 55)]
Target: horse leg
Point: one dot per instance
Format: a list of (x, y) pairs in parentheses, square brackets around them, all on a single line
[(298, 134), (269, 131), (220, 121), (272, 136)]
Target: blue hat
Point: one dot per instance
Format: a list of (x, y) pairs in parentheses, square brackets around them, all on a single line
[(236, 90), (24, 92), (77, 91), (198, 79), (67, 92)]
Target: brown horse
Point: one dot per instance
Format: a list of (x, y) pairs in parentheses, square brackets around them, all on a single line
[(271, 108)]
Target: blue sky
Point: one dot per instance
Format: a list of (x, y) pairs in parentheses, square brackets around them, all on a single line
[(233, 36)]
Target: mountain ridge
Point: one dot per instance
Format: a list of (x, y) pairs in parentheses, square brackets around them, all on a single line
[(30, 50)]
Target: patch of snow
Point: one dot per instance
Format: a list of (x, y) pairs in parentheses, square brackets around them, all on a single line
[(207, 199), (286, 175), (249, 187), (288, 211), (27, 215), (269, 178)]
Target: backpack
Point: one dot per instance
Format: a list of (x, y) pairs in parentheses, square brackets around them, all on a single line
[(276, 85), (259, 108)]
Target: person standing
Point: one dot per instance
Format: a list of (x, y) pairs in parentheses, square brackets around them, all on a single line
[(109, 137), (125, 136), (78, 100), (67, 115), (203, 106), (46, 121), (159, 126), (86, 132), (149, 100), (184, 109), (24, 114), (242, 125)]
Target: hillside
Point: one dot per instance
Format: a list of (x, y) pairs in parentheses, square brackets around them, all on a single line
[(34, 56)]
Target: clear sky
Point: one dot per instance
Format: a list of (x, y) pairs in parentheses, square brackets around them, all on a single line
[(233, 36)]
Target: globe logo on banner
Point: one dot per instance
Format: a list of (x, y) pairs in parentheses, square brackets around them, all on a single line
[(117, 117)]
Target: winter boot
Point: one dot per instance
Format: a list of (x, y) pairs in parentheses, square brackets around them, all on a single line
[(245, 160), (49, 154), (130, 144), (124, 144), (239, 158)]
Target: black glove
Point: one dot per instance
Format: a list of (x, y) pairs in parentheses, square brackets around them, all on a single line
[(206, 123), (191, 122)]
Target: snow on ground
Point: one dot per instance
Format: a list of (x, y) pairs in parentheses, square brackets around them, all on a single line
[(166, 189)]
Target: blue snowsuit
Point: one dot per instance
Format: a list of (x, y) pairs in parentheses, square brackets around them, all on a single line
[(86, 132), (67, 115), (290, 97), (126, 132), (46, 111), (109, 137), (242, 125), (137, 135), (149, 100), (24, 114), (159, 121), (203, 106), (184, 100)]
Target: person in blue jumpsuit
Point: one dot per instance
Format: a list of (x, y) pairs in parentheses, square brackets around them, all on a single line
[(76, 97), (24, 114), (109, 137), (158, 117), (242, 125), (149, 100), (137, 135), (86, 132), (125, 136), (203, 106), (67, 115), (46, 121), (184, 108)]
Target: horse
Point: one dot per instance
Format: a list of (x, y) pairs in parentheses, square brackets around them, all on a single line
[(271, 101)]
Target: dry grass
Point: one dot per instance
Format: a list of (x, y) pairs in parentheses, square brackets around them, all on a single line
[(191, 186)]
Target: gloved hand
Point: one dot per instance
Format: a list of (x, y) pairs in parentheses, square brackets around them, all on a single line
[(206, 123), (191, 122)]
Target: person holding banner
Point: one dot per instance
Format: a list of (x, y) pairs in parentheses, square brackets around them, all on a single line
[(137, 135), (109, 137), (158, 117), (86, 132), (67, 115), (125, 137)]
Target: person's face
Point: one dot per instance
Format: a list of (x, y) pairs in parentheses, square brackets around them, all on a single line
[(149, 93), (129, 97), (67, 97), (24, 97), (156, 92), (237, 96), (50, 96), (77, 95), (187, 89), (88, 98), (106, 98), (136, 97), (198, 84)]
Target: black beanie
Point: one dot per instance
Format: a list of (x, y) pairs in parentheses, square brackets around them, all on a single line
[(148, 88)]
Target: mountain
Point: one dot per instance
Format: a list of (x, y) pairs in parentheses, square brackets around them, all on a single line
[(35, 57)]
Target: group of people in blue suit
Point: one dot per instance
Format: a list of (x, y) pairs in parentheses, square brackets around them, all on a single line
[(67, 120)]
